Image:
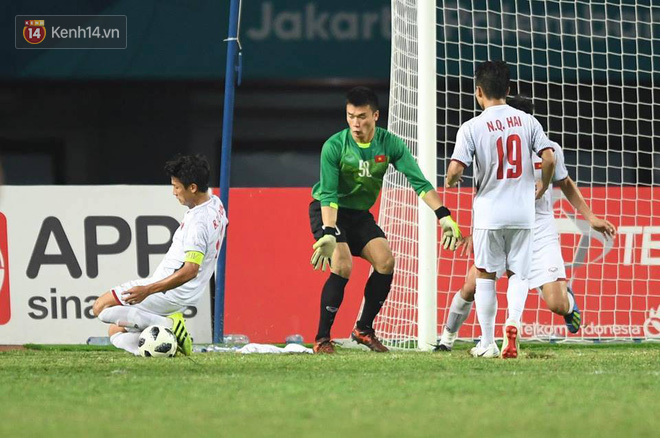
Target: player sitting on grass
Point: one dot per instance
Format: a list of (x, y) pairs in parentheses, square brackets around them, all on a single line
[(547, 271), (501, 141), (353, 163), (180, 278)]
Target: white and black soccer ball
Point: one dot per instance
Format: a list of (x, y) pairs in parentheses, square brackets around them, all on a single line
[(157, 341)]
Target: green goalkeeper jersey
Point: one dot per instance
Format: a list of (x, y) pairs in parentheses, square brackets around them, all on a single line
[(352, 174)]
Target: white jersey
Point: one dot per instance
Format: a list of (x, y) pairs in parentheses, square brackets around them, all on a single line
[(503, 140), (545, 219), (202, 230)]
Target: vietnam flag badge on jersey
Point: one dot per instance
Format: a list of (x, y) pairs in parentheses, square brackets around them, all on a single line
[(380, 158)]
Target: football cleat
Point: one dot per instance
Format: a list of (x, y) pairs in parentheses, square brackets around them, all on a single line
[(511, 340), (574, 319), (183, 339), (368, 338), (488, 352), (323, 346), (446, 341)]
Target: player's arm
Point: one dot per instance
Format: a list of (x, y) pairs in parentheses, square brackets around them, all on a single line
[(547, 171), (454, 173), (404, 162), (183, 275), (574, 196), (325, 246), (461, 157)]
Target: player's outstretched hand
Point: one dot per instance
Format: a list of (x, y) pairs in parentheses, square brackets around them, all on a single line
[(323, 249), (604, 226), (135, 294), (466, 246), (451, 234)]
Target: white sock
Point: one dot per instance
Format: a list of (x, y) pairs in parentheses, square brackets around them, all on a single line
[(126, 341), (571, 303), (516, 295), (486, 303), (132, 318), (458, 312)]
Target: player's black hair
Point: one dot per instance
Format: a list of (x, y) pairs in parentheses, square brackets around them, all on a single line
[(360, 96), (190, 169), (493, 78), (521, 102)]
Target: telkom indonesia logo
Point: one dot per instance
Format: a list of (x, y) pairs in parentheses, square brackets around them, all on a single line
[(5, 310)]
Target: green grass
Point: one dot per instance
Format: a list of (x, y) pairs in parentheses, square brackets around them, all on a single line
[(554, 390)]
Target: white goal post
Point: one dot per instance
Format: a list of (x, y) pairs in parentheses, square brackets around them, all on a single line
[(591, 68)]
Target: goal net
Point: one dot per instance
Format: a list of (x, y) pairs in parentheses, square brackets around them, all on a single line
[(591, 68)]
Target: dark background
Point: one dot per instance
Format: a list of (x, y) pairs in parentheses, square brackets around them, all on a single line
[(115, 116)]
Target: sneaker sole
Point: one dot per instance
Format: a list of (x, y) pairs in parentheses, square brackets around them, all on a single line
[(510, 350)]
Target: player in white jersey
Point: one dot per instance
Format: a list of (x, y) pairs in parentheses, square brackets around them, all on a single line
[(501, 141), (547, 272), (181, 276)]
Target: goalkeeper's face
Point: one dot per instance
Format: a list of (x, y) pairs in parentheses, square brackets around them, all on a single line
[(362, 122)]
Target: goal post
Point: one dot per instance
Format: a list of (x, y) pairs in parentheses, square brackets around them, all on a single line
[(591, 68)]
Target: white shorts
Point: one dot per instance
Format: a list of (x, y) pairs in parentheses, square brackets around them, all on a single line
[(505, 249), (547, 262), (159, 304)]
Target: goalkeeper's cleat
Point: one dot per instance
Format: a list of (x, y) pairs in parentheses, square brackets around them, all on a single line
[(511, 340), (574, 319), (183, 339), (446, 341), (488, 352), (323, 346), (368, 338)]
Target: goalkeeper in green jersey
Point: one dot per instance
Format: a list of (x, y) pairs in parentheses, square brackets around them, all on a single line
[(353, 164)]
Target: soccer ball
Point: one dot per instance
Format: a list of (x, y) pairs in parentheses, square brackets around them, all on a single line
[(157, 341)]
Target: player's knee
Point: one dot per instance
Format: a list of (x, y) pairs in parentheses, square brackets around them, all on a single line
[(98, 307), (560, 307), (342, 268), (385, 266)]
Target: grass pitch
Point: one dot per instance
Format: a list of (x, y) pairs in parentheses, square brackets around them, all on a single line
[(553, 390)]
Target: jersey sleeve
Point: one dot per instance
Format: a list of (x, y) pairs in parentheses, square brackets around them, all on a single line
[(560, 165), (540, 141), (330, 163), (464, 148), (404, 162), (195, 237)]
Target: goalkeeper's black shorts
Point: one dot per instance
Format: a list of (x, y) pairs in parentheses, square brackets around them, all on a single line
[(356, 227)]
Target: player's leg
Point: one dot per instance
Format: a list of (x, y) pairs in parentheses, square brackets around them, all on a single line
[(560, 299), (124, 340), (379, 254), (332, 293), (518, 247), (368, 241), (459, 310), (489, 258), (332, 296), (154, 310), (549, 274)]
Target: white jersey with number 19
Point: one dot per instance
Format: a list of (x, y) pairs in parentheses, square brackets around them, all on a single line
[(501, 141)]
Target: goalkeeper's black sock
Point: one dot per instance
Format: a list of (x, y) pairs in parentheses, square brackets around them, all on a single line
[(375, 294), (331, 298)]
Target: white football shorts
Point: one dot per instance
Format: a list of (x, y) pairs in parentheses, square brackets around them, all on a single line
[(159, 303), (547, 262), (505, 249)]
